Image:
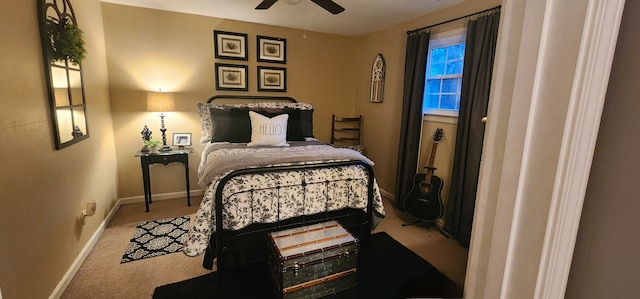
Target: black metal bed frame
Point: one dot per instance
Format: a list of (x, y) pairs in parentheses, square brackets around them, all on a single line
[(358, 222), (221, 244)]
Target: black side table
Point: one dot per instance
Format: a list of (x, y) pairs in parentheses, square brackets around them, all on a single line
[(165, 158)]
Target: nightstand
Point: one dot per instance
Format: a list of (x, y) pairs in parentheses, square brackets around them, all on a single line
[(146, 159)]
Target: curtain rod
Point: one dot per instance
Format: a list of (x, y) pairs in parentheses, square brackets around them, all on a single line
[(453, 20)]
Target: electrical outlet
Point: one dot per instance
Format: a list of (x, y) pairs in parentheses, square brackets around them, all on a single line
[(91, 208)]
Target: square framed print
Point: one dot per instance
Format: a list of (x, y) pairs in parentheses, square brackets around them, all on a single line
[(271, 49), (181, 139), (230, 45), (232, 77), (272, 79)]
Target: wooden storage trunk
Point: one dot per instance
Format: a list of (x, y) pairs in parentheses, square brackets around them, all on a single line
[(312, 261)]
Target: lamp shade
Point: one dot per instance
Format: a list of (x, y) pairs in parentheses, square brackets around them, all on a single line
[(160, 102)]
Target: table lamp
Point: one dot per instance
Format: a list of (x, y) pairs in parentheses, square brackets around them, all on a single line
[(161, 102)]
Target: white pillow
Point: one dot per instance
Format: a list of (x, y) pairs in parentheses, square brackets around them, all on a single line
[(268, 131)]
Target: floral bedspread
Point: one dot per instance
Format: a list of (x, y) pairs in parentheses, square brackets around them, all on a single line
[(278, 196)]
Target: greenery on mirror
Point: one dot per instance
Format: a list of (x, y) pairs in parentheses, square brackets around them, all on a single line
[(63, 49), (66, 41)]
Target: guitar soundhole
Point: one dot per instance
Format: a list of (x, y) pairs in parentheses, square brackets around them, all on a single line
[(425, 188)]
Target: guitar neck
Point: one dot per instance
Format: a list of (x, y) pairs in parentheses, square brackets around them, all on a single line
[(432, 158)]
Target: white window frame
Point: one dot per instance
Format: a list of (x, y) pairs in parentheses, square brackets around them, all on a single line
[(437, 40)]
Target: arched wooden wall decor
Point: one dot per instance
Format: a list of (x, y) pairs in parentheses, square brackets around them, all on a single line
[(377, 79), (63, 50)]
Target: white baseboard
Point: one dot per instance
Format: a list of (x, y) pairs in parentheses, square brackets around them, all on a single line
[(387, 195), (66, 279)]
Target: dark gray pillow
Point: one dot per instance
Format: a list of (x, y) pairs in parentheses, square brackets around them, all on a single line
[(306, 122), (234, 125), (231, 125)]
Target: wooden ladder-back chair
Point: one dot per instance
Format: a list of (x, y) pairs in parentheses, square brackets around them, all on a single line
[(347, 132)]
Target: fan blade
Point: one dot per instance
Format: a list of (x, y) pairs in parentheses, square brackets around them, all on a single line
[(266, 4), (329, 5)]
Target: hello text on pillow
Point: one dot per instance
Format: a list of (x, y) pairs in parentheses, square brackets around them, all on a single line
[(268, 131)]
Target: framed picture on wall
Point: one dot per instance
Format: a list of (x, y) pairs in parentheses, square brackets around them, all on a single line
[(271, 49), (272, 79), (232, 77), (230, 45)]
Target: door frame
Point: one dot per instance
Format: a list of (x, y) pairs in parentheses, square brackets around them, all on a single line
[(512, 255)]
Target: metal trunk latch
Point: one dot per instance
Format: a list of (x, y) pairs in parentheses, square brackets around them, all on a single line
[(296, 269)]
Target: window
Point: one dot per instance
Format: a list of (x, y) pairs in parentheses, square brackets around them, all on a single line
[(443, 78)]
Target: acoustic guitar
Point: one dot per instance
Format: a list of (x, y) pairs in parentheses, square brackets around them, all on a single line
[(425, 201)]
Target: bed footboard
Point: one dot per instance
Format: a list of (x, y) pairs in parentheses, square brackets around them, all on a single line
[(238, 247)]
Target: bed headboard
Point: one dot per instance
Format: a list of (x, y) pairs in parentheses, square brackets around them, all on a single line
[(230, 115), (254, 98)]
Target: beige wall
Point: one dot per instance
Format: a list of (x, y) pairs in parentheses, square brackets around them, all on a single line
[(606, 262), (44, 190), (150, 49)]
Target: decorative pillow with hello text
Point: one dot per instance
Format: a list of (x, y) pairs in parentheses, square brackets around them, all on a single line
[(268, 131)]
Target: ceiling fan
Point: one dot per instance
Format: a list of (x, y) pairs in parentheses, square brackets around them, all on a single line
[(329, 5)]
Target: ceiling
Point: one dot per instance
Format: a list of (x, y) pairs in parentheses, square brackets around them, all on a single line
[(359, 18)]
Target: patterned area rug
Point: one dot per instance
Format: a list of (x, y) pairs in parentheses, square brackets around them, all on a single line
[(156, 238)]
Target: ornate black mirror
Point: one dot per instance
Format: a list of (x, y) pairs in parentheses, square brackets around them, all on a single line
[(63, 50)]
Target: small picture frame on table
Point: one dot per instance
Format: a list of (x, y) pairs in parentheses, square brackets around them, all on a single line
[(272, 49), (181, 140), (232, 77), (272, 79), (230, 45)]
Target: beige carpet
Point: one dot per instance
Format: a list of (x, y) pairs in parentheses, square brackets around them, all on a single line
[(102, 275)]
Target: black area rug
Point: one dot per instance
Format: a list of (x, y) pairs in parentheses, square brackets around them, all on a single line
[(155, 238), (386, 269)]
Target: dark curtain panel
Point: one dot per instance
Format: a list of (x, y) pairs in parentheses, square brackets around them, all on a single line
[(476, 82), (414, 68)]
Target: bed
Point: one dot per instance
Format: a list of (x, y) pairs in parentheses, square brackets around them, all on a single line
[(262, 170)]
